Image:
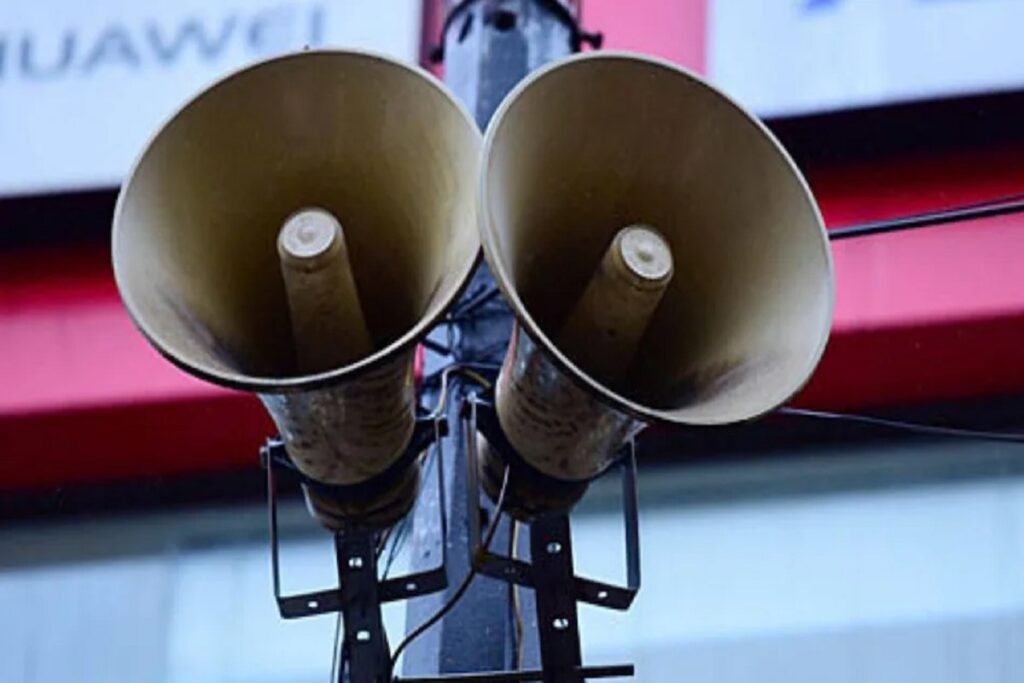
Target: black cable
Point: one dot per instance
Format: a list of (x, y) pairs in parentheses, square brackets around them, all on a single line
[(474, 568), (400, 533), (397, 543), (439, 349), (930, 430), (492, 354), (475, 302), (396, 540), (510, 552), (382, 541), (515, 607), (986, 209)]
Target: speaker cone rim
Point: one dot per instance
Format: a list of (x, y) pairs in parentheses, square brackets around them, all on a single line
[(299, 382), (491, 251)]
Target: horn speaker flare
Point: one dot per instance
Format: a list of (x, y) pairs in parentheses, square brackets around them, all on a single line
[(369, 165), (663, 256)]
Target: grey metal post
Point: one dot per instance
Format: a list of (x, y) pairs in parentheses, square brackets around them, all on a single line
[(488, 48)]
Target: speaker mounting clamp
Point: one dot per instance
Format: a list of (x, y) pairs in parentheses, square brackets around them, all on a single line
[(360, 592)]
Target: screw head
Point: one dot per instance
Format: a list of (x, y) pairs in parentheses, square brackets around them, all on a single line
[(554, 547), (363, 636), (560, 623), (355, 562)]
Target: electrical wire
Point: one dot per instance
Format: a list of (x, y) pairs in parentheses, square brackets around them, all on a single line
[(992, 207), (493, 352), (398, 538), (434, 377), (517, 606), (477, 377), (382, 541), (477, 300), (337, 647), (400, 534), (402, 529), (461, 313), (398, 541), (436, 347), (926, 429), (467, 369), (474, 568)]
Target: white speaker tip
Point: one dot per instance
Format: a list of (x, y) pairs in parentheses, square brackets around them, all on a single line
[(308, 234), (646, 253)]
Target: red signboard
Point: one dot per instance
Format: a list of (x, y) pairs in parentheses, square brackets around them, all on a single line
[(930, 314)]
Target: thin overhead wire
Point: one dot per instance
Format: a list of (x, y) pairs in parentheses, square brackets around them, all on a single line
[(999, 206), (917, 428)]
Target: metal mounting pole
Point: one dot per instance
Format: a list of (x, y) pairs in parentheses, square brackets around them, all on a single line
[(488, 46)]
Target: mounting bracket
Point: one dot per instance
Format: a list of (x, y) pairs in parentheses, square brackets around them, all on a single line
[(550, 570), (360, 593)]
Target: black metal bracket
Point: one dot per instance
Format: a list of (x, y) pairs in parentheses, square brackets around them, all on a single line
[(276, 460), (366, 656), (360, 592), (549, 572), (481, 416)]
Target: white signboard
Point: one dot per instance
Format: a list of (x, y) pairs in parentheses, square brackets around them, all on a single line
[(84, 83), (796, 56)]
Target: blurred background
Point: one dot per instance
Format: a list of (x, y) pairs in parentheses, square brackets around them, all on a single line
[(133, 542)]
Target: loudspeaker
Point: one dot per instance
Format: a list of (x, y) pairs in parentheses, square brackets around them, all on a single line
[(380, 162), (663, 256)]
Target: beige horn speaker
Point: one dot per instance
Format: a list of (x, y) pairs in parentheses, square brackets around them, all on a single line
[(293, 231), (664, 258)]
